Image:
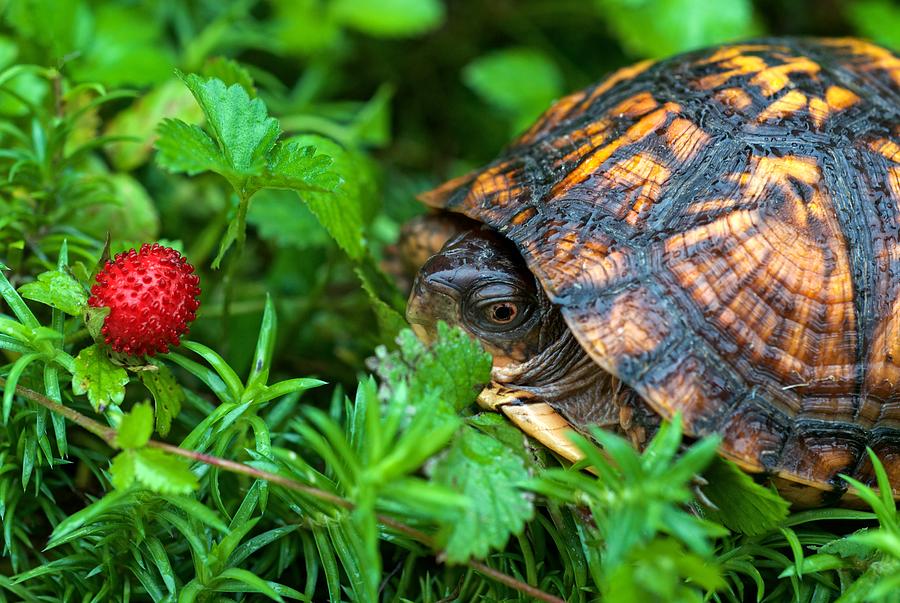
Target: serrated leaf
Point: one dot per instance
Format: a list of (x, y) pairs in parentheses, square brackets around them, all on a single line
[(230, 72), (163, 473), (849, 546), (167, 394), (102, 381), (296, 166), (344, 208), (389, 18), (57, 289), (743, 505), (241, 125), (121, 470), (136, 427), (879, 539), (453, 366), (185, 148), (496, 426), (482, 469)]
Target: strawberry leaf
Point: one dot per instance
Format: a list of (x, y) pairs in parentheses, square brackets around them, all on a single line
[(187, 149), (163, 473), (136, 427), (230, 72), (451, 366), (296, 166), (240, 125), (57, 289), (96, 375), (121, 471), (167, 393), (487, 473), (341, 207)]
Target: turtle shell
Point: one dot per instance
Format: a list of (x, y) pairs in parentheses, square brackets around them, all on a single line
[(721, 231)]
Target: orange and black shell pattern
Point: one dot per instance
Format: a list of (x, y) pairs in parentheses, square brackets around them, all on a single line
[(721, 231)]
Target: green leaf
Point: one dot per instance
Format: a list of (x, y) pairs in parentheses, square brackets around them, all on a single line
[(343, 201), (132, 217), (102, 381), (662, 570), (453, 366), (876, 19), (167, 394), (57, 289), (198, 511), (484, 470), (265, 345), (230, 72), (168, 100), (16, 303), (658, 28), (163, 473), (12, 380), (121, 471), (385, 300), (241, 125), (187, 149), (283, 219), (879, 539), (125, 47), (521, 82), (296, 166), (496, 426), (136, 427), (389, 18), (253, 582)]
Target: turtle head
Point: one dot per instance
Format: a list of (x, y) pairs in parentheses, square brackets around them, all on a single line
[(478, 281)]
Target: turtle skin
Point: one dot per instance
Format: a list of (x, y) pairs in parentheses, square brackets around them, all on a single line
[(721, 232)]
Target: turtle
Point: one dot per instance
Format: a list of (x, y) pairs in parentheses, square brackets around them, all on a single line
[(714, 236)]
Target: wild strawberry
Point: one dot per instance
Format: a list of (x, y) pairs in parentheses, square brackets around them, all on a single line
[(152, 297)]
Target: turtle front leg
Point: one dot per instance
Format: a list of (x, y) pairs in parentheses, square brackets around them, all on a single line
[(536, 418)]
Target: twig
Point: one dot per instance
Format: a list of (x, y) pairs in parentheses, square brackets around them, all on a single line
[(108, 435), (508, 580)]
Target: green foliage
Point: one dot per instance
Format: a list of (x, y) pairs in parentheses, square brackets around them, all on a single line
[(490, 475), (97, 376), (636, 503), (521, 82), (657, 28), (876, 19), (389, 17), (739, 503), (296, 134), (453, 367), (57, 289)]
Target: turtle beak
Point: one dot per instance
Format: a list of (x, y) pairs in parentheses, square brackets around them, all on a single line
[(427, 305)]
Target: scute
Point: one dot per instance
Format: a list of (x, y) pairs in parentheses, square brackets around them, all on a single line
[(722, 232)]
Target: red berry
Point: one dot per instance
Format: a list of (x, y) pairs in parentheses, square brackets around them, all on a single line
[(152, 297)]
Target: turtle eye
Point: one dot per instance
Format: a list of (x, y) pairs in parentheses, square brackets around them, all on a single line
[(503, 313), (496, 308)]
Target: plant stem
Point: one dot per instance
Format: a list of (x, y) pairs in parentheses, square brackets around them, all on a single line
[(108, 435)]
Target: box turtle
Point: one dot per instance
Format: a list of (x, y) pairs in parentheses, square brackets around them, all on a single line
[(716, 235)]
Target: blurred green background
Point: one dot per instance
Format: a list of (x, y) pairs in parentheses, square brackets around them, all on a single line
[(415, 90)]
